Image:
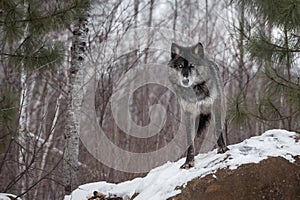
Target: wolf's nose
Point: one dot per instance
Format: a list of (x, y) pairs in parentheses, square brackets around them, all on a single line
[(185, 81)]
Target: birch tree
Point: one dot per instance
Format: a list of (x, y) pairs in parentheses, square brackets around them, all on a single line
[(74, 98), (28, 50), (31, 46)]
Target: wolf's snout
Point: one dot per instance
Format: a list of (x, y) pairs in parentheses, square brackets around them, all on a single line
[(185, 81)]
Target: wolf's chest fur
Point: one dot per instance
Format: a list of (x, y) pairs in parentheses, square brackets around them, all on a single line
[(191, 74), (195, 98)]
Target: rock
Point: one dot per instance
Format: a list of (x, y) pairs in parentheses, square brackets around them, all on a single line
[(273, 178)]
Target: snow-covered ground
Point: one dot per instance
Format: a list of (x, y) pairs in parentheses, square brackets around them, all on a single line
[(7, 196), (160, 183)]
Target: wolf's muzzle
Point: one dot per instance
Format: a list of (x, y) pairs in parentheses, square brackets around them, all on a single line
[(185, 81)]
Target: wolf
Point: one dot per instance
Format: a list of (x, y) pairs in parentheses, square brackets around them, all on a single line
[(198, 85)]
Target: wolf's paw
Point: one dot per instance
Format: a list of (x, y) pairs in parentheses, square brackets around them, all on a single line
[(188, 165), (222, 149)]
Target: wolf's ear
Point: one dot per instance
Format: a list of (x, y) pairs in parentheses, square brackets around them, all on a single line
[(198, 50), (175, 50)]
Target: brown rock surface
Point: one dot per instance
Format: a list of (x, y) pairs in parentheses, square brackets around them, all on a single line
[(273, 178)]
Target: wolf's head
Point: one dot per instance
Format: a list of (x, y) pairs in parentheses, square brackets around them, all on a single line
[(184, 61)]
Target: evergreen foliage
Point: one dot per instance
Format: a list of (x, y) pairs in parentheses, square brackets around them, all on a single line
[(28, 27), (7, 108), (238, 112), (281, 13), (277, 51), (30, 32)]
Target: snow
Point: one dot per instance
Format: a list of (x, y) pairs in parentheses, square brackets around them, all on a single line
[(6, 196), (160, 183)]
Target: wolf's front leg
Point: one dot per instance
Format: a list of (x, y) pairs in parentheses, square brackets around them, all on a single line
[(190, 158), (189, 122)]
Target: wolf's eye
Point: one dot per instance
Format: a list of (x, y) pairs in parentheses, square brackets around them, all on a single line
[(180, 65), (192, 65)]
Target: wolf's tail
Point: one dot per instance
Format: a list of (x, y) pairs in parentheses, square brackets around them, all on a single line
[(202, 122)]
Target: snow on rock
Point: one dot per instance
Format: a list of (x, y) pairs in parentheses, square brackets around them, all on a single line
[(6, 196), (161, 182)]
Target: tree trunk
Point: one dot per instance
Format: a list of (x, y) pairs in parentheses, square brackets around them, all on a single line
[(74, 100), (26, 89), (23, 132), (175, 19)]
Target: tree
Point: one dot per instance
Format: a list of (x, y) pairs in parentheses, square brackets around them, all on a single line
[(31, 47), (241, 75), (74, 98), (277, 51)]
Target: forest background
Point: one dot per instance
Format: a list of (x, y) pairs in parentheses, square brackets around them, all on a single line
[(47, 48)]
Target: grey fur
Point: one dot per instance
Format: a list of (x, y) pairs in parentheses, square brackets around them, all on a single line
[(197, 83)]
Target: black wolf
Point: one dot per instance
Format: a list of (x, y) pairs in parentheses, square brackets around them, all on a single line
[(198, 85)]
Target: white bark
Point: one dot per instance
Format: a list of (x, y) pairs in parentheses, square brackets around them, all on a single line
[(23, 137), (23, 129), (74, 100), (26, 142), (48, 144)]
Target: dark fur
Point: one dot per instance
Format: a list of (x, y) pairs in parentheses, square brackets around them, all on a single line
[(197, 83), (203, 121)]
